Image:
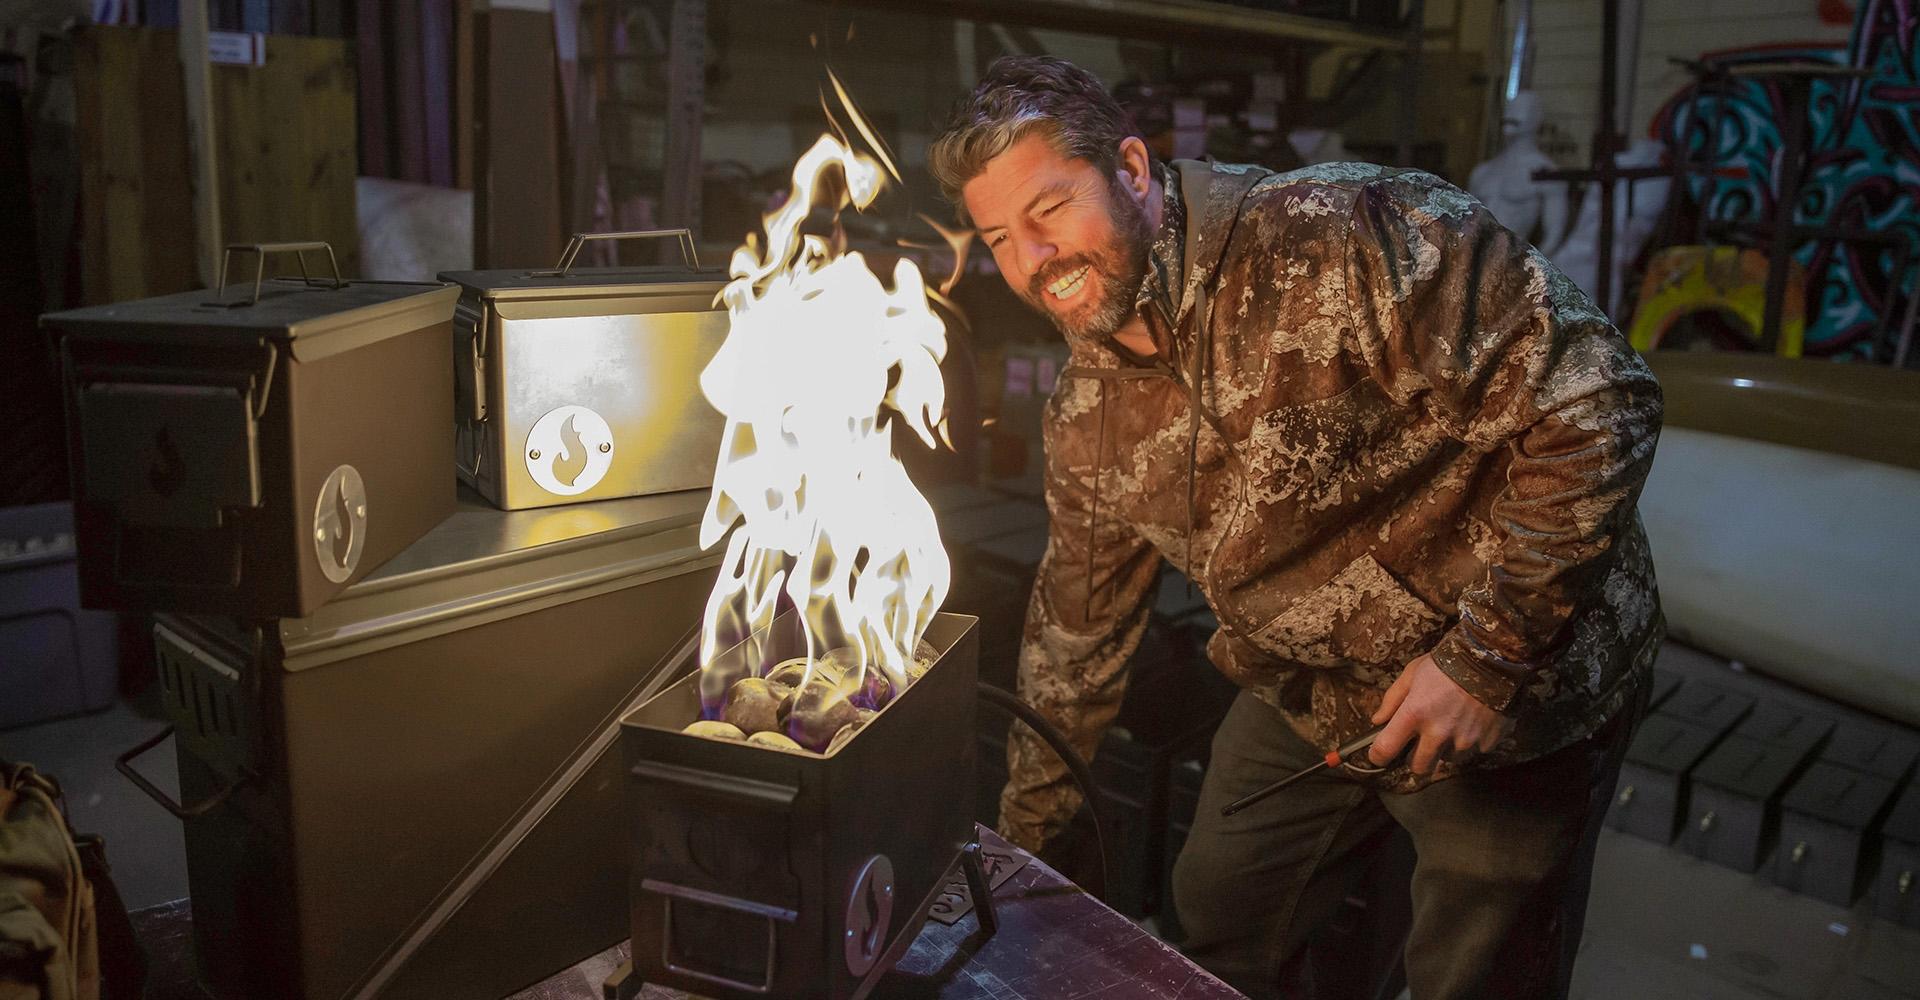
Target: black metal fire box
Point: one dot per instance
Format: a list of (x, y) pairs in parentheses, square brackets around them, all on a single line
[(1896, 889), (1874, 749), (761, 872), (252, 450), (1828, 819), (340, 773), (1707, 704), (1652, 792), (1734, 810)]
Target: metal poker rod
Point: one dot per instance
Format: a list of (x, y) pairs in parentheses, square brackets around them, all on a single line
[(1334, 758)]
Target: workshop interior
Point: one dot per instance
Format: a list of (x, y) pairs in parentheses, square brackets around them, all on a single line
[(551, 499)]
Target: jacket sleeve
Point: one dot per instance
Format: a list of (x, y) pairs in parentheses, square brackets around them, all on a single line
[(1084, 620), (1456, 314)]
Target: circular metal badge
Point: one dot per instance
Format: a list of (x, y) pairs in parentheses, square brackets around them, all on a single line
[(340, 523), (569, 450), (869, 914)]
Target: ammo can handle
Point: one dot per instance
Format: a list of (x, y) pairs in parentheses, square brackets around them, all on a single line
[(685, 237), (125, 763), (260, 252)]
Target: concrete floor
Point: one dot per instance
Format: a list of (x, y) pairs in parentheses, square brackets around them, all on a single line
[(1661, 926)]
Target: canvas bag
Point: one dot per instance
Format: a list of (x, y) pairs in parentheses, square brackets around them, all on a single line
[(48, 932)]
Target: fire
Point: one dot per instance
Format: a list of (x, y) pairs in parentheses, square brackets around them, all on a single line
[(820, 358)]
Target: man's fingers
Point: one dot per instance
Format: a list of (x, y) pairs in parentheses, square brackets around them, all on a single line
[(1390, 702), (1427, 754), (1393, 739)]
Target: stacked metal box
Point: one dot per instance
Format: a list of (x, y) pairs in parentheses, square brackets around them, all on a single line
[(368, 670), (1734, 814), (1814, 802), (1833, 813), (1687, 721)]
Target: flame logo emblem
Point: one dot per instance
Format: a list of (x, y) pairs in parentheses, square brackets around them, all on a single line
[(343, 533), (569, 450), (869, 914), (166, 472), (340, 524)]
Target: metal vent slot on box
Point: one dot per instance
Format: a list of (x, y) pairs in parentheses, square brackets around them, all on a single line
[(203, 699)]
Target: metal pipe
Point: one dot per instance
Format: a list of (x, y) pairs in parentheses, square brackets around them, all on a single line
[(1517, 69), (1076, 765), (1605, 141)]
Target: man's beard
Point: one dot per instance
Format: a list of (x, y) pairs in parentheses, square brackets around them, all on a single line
[(1114, 273)]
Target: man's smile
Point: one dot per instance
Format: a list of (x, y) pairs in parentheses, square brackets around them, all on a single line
[(1069, 284)]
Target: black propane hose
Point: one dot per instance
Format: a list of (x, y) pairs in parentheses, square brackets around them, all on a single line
[(1076, 765)]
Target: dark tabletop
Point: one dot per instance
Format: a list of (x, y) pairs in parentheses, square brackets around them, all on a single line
[(1054, 942)]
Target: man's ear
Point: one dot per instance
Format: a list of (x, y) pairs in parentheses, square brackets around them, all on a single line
[(1135, 167)]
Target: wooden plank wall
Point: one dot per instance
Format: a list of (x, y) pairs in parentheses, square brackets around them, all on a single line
[(136, 218), (288, 156), (286, 146)]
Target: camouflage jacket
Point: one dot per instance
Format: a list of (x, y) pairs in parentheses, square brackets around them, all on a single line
[(1379, 425)]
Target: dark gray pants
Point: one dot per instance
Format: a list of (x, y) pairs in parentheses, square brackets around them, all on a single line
[(1499, 886)]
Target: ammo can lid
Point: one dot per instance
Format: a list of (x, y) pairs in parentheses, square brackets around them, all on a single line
[(316, 317), (590, 282), (565, 282), (483, 565)]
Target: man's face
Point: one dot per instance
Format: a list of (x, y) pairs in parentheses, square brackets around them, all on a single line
[(1069, 240)]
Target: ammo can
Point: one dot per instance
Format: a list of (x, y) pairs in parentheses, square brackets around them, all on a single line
[(584, 383), (340, 772), (1829, 821), (253, 453), (1896, 889)]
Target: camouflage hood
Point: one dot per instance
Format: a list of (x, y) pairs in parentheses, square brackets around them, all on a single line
[(1378, 425)]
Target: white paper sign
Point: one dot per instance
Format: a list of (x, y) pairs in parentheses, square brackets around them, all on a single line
[(237, 48)]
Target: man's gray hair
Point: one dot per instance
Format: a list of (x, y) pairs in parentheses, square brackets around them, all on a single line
[(1028, 95)]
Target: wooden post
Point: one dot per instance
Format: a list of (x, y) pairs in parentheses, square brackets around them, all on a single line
[(198, 78), (1416, 27), (686, 104)]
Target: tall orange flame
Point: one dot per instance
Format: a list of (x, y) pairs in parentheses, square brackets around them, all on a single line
[(820, 356)]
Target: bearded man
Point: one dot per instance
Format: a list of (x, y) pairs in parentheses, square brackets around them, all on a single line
[(1399, 454)]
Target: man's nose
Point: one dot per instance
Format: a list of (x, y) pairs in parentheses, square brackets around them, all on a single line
[(1034, 254)]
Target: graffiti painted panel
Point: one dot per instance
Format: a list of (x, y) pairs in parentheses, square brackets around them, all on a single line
[(1863, 169)]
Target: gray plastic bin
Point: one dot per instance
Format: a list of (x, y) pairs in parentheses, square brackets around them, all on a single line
[(55, 658)]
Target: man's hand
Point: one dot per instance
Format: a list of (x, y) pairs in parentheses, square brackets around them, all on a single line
[(1425, 704)]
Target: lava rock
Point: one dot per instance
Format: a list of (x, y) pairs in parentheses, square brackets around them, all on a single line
[(819, 710), (792, 672), (714, 729), (775, 740), (753, 704)]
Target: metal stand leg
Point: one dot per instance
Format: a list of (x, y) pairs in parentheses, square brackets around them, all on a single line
[(978, 888), (624, 984)]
